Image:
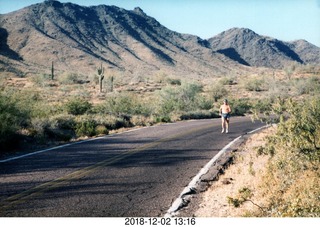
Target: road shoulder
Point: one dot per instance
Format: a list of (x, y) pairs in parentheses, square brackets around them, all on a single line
[(242, 168)]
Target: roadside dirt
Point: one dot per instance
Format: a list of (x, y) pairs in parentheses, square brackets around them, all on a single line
[(245, 172)]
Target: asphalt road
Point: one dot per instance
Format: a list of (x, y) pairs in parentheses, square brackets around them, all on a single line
[(133, 174)]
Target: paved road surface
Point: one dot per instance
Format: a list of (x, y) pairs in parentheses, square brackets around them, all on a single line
[(137, 173)]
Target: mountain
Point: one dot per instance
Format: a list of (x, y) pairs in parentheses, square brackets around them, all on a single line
[(248, 48), (309, 53), (79, 38)]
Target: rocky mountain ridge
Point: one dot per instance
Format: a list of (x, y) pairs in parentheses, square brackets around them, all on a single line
[(249, 48), (79, 38)]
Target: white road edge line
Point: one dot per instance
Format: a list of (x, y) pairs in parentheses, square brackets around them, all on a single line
[(178, 203), (79, 142), (66, 145), (49, 149)]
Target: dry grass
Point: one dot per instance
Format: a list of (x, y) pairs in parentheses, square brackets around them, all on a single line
[(244, 173), (255, 186)]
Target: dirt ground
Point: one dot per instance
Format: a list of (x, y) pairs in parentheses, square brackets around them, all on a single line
[(244, 173)]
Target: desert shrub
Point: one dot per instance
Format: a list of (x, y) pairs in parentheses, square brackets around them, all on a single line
[(121, 104), (85, 126), (310, 85), (32, 101), (302, 130), (201, 114), (278, 88), (141, 120), (203, 103), (61, 127), (218, 91), (187, 96), (68, 78), (40, 80), (43, 109), (182, 98), (57, 127), (38, 127), (163, 118), (101, 129), (173, 81), (12, 118), (263, 105), (111, 122), (254, 84), (167, 100), (228, 80), (63, 121), (261, 109), (240, 106), (77, 106), (244, 195), (291, 184)]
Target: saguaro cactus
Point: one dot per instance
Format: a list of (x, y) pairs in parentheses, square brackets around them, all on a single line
[(101, 76), (52, 71), (111, 83)]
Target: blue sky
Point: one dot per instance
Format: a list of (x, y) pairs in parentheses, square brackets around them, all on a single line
[(286, 20)]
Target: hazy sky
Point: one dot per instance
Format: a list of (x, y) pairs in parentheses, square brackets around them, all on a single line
[(286, 20)]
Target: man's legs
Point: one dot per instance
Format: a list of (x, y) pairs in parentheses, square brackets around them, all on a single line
[(223, 123), (227, 124)]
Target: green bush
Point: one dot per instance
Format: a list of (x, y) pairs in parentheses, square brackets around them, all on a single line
[(183, 98), (293, 171), (164, 118), (141, 120), (188, 96), (124, 104), (63, 121), (303, 127), (174, 81), (68, 78), (101, 129), (240, 107), (218, 91), (228, 80), (77, 106), (86, 127), (40, 80), (254, 84), (310, 85), (12, 118), (263, 105), (61, 127)]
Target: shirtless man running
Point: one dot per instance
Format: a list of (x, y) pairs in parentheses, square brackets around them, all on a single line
[(225, 111)]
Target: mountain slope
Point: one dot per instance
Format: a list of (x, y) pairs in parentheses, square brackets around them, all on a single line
[(248, 48), (308, 52), (78, 38)]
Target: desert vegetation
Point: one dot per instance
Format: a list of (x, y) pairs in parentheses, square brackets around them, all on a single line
[(39, 110), (290, 183), (43, 109), (60, 83)]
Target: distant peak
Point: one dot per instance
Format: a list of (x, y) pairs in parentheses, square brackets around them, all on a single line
[(138, 10), (53, 3), (241, 30)]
